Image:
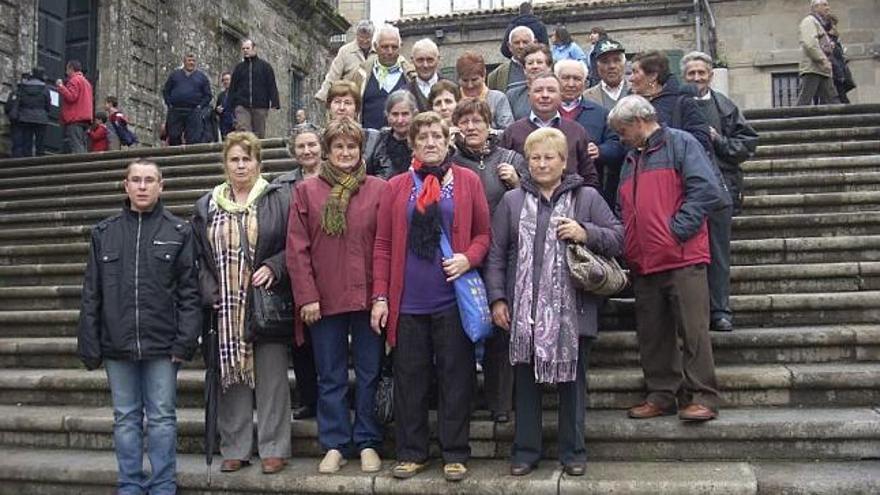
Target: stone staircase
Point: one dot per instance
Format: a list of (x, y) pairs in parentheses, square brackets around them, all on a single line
[(800, 377)]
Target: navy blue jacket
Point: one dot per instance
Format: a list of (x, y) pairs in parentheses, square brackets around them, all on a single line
[(594, 119), (187, 91), (676, 108), (530, 21)]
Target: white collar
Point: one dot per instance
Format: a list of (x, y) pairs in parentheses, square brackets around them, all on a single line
[(425, 86), (544, 123)]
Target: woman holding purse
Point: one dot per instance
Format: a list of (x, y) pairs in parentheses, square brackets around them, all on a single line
[(552, 324), (241, 235), (332, 227), (414, 298)]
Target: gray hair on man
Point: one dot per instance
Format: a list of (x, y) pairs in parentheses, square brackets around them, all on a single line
[(570, 64), (696, 56), (816, 3), (365, 26), (426, 45), (401, 96), (520, 29), (386, 29), (629, 109)]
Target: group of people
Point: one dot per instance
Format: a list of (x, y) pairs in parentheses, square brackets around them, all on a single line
[(415, 182), (825, 76)]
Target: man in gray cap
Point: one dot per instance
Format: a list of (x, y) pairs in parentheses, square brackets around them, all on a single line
[(611, 63)]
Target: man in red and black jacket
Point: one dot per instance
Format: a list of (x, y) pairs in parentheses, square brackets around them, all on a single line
[(667, 189)]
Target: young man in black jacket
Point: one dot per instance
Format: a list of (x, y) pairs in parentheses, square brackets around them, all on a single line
[(252, 91), (141, 316)]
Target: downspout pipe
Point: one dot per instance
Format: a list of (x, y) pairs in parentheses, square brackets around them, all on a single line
[(698, 18)]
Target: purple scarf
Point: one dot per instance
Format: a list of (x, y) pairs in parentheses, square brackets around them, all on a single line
[(552, 337)]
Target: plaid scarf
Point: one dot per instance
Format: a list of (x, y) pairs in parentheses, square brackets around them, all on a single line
[(228, 221), (550, 337), (343, 186)]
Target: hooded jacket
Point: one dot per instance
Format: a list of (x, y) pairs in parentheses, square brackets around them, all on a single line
[(34, 102), (140, 296)]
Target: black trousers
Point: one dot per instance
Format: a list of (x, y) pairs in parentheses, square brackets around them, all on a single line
[(718, 273), (527, 441), (498, 372), (304, 369), (183, 125), (427, 344)]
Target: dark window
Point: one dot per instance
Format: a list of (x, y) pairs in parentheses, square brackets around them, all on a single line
[(785, 89), (296, 88)]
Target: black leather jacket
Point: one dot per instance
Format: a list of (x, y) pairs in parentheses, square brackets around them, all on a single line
[(140, 297)]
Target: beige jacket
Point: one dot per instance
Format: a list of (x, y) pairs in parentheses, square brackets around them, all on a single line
[(813, 59), (347, 61)]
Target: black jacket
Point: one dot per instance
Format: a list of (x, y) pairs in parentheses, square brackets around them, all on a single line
[(389, 157), (253, 85), (272, 210), (676, 109), (140, 296), (530, 21), (34, 102)]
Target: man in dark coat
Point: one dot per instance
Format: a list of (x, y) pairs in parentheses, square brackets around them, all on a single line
[(225, 116), (34, 104), (141, 317), (733, 142), (252, 91), (528, 19), (186, 92)]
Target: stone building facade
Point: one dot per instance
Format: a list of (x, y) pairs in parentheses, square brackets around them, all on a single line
[(756, 39), (131, 46)]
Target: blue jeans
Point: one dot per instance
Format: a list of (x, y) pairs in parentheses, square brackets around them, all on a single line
[(330, 343), (139, 386)]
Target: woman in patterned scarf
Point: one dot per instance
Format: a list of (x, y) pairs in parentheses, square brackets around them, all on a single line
[(552, 324), (414, 298), (330, 251), (241, 230)]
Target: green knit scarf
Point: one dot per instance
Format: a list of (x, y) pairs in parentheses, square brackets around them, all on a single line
[(343, 186)]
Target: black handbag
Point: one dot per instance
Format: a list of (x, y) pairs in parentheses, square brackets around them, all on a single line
[(269, 312), (384, 405)]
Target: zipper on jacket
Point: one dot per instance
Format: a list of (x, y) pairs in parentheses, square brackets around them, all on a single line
[(157, 242), (137, 305), (251, 81)]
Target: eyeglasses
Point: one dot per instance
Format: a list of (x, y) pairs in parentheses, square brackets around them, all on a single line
[(473, 121), (147, 181)]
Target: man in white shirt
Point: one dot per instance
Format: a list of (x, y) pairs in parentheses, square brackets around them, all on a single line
[(426, 59), (610, 63)]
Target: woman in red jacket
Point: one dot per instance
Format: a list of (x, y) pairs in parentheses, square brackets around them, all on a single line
[(331, 228), (414, 298)]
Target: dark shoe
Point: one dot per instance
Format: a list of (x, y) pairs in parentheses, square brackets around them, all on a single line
[(232, 465), (721, 325), (304, 412), (575, 468), (647, 410), (697, 412), (500, 417), (272, 465), (521, 469)]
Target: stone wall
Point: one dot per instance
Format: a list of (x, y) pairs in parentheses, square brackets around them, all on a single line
[(755, 37), (141, 41)]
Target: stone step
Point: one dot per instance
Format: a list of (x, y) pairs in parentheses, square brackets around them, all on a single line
[(66, 252), (804, 250), (777, 345), (818, 149), (795, 385), (799, 166), (796, 225), (738, 434), (42, 274), (814, 122), (835, 135), (115, 199), (810, 111), (812, 183), (786, 204), (17, 166)]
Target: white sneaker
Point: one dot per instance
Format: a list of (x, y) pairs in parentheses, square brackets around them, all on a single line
[(370, 461), (331, 462)]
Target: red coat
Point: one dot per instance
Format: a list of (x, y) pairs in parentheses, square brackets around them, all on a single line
[(77, 95), (471, 227), (98, 138), (335, 271)]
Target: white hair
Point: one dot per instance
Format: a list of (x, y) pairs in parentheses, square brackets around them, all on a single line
[(426, 45), (386, 29), (816, 3), (365, 26), (520, 29), (696, 57), (629, 109), (557, 69)]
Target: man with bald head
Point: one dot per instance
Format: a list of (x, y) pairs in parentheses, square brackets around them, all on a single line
[(426, 59), (604, 147)]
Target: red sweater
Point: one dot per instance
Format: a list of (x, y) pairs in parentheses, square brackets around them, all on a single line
[(335, 271), (77, 95), (98, 138), (471, 229)]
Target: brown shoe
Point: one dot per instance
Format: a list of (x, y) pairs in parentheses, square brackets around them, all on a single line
[(647, 410), (232, 465), (697, 412), (272, 465)]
